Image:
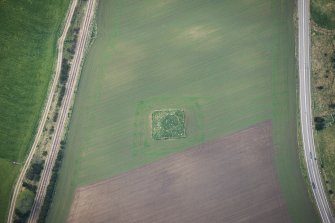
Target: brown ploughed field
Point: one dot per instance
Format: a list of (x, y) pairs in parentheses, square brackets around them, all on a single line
[(232, 179)]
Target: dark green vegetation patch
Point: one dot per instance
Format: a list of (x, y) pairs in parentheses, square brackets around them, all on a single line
[(23, 205), (168, 124), (323, 13)]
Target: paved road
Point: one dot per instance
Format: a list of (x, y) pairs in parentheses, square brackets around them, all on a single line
[(45, 112), (64, 111), (306, 113)]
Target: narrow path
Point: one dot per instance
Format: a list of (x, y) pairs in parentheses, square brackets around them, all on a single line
[(45, 112), (306, 113), (63, 112)]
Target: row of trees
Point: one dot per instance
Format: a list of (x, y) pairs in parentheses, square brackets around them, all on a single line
[(62, 83), (52, 185), (35, 170), (26, 196), (64, 75), (23, 206)]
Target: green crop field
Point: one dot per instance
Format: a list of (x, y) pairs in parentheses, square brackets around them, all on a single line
[(28, 35), (227, 64)]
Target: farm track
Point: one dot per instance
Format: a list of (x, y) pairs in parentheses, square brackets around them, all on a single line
[(306, 113), (45, 112), (63, 113)]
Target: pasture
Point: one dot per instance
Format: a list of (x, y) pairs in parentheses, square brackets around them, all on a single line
[(228, 64), (28, 35)]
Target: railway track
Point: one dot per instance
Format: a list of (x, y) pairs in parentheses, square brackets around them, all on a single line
[(45, 113), (63, 112)]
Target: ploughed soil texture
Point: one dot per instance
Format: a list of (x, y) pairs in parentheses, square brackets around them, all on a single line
[(232, 179)]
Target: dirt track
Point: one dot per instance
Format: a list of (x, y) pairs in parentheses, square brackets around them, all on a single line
[(64, 111), (45, 112), (232, 179)]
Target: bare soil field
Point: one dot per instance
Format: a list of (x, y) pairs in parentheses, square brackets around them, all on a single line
[(232, 179)]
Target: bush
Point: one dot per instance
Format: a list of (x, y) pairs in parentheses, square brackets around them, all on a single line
[(55, 117), (64, 71), (60, 97), (52, 129), (52, 185), (333, 60), (320, 123), (29, 186), (23, 206), (34, 172)]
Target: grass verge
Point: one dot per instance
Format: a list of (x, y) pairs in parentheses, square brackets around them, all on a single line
[(323, 90), (323, 13)]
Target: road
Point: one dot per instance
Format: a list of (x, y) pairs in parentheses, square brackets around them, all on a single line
[(306, 113), (45, 111), (64, 111)]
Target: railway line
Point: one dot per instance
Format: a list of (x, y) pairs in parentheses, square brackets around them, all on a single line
[(46, 110), (64, 111)]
